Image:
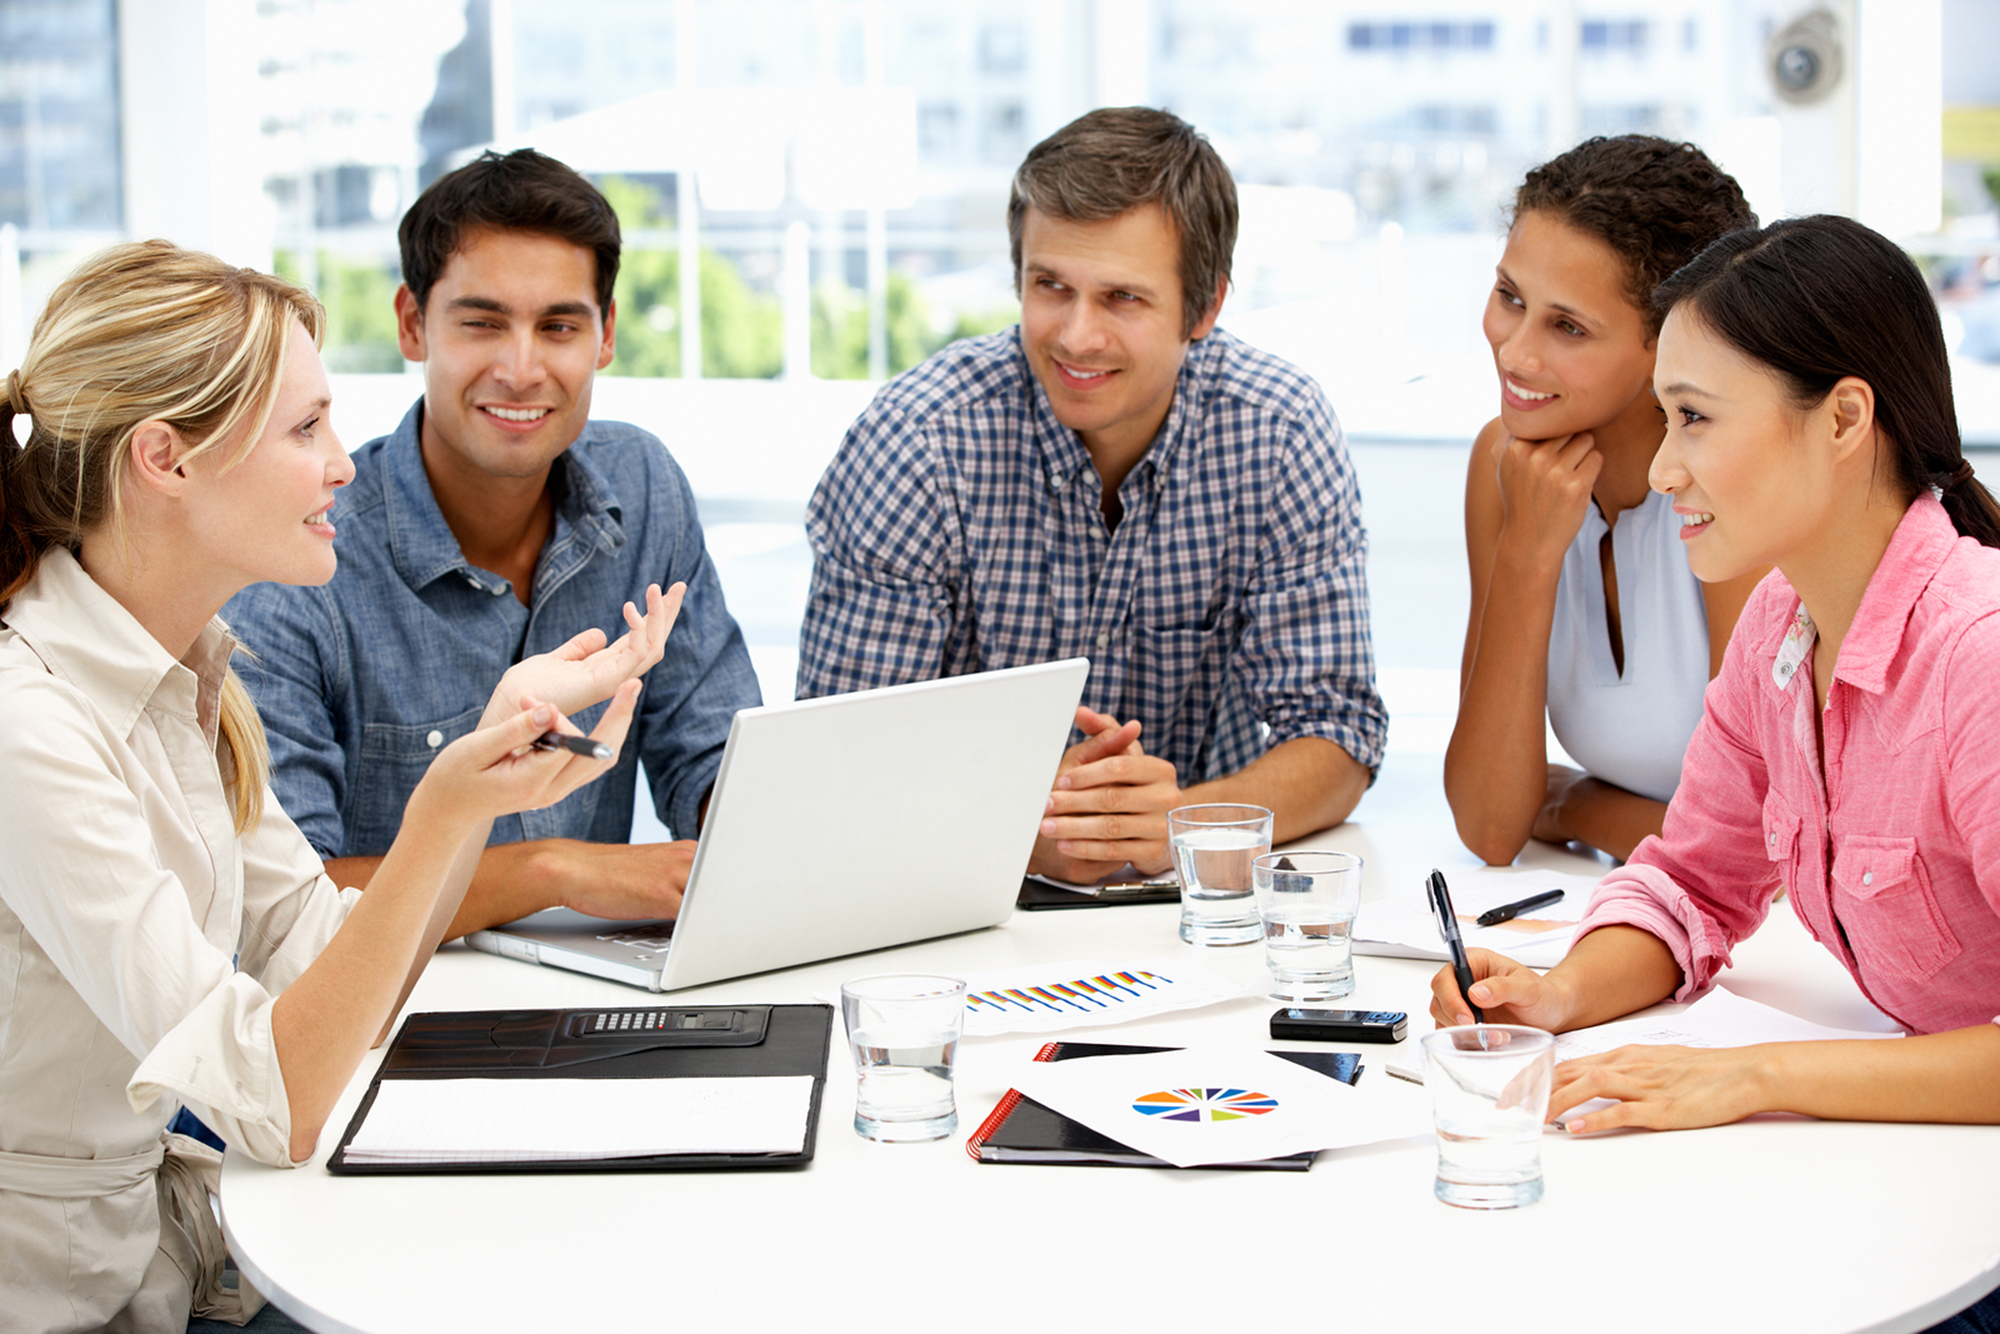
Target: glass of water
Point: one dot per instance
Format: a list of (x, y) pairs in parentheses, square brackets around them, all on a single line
[(1213, 847), (1489, 1088), (903, 1030), (1308, 901)]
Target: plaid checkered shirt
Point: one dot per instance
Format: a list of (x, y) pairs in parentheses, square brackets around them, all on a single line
[(959, 530)]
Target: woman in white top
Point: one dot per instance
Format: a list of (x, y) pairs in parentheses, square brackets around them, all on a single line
[(167, 937), (1584, 610)]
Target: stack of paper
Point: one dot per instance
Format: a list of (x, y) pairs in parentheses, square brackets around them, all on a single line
[(1217, 1104), (1405, 929), (566, 1120)]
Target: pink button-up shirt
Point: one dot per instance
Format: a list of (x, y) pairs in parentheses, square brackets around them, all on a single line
[(1893, 860)]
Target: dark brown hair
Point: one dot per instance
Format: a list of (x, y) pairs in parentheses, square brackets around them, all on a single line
[(522, 191), (1821, 298), (1110, 161), (1656, 203)]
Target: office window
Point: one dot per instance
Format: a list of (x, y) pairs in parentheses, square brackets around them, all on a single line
[(1003, 48), (1623, 36), (59, 143), (1435, 36), (937, 130), (1633, 118), (1454, 120), (1005, 134)]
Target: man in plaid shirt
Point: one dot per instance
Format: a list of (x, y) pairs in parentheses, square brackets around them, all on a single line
[(1116, 479)]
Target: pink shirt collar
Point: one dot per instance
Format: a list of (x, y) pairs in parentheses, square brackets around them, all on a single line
[(1917, 550)]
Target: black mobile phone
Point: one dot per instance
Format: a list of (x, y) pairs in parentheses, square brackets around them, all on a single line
[(1340, 1025)]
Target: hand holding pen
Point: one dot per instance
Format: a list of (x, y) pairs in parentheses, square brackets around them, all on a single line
[(576, 745), (1512, 992), (1447, 920)]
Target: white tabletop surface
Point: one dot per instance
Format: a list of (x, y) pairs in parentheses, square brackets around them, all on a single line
[(1777, 1223)]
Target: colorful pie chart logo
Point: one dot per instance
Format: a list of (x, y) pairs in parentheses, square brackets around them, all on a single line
[(1204, 1104)]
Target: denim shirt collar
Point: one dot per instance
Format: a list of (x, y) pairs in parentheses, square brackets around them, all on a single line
[(421, 542), (1063, 451)]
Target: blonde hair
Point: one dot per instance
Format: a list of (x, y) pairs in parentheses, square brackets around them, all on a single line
[(143, 332)]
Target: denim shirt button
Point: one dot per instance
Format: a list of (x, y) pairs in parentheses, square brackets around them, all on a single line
[(1867, 877), (435, 739)]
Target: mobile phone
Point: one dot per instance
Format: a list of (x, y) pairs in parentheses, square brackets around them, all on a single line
[(1340, 1025)]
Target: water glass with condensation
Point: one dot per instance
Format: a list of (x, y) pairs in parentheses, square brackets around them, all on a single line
[(1213, 846), (903, 1030), (1489, 1088), (1308, 901)]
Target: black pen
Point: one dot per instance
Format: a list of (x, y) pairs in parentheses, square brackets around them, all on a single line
[(1440, 898), (575, 745), (1507, 912)]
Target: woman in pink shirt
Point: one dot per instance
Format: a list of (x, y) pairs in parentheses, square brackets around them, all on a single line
[(1850, 749)]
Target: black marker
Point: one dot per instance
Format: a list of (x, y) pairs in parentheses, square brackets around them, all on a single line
[(1507, 912), (1440, 898), (575, 745)]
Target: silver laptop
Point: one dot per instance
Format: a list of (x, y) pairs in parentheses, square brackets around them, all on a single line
[(843, 824)]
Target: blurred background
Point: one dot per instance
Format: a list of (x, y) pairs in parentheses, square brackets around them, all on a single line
[(813, 194)]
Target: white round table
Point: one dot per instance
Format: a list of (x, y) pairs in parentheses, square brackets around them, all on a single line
[(1773, 1223)]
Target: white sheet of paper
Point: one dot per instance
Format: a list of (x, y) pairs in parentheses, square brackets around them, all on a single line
[(1720, 1019), (1405, 929), (501, 1120), (1221, 1104), (1049, 998)]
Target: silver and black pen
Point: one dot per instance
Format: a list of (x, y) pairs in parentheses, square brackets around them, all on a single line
[(575, 745)]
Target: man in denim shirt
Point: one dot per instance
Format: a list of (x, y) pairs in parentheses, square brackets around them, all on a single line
[(499, 521)]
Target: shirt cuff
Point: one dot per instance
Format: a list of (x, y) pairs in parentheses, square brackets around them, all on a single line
[(223, 1059), (1364, 748), (1647, 898)]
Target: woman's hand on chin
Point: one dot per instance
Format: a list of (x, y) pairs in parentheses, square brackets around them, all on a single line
[(1545, 489)]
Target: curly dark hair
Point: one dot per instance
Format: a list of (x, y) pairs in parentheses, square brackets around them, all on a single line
[(1654, 202)]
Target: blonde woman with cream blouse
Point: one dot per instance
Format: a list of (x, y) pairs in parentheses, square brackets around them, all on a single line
[(167, 937)]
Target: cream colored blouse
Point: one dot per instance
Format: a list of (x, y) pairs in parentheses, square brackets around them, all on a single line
[(141, 945)]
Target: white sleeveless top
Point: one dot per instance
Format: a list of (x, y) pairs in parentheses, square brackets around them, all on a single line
[(1631, 730)]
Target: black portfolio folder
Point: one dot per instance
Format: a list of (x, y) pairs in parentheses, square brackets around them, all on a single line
[(1035, 895), (651, 1042)]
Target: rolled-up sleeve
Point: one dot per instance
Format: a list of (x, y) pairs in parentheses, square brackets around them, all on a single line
[(887, 553), (1307, 659)]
